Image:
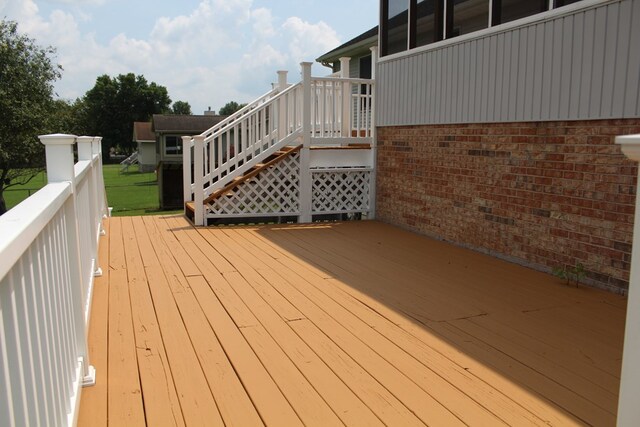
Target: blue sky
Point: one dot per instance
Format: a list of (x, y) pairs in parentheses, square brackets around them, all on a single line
[(206, 52)]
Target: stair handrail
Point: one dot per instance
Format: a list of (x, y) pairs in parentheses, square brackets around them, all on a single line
[(241, 112), (274, 140)]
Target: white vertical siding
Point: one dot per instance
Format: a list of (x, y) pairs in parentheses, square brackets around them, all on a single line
[(585, 65)]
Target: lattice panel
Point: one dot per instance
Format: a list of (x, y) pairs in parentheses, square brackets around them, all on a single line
[(276, 190), (340, 191)]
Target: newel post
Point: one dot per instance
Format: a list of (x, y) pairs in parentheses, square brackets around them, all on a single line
[(60, 168), (346, 98), (628, 408), (198, 180), (85, 152), (305, 172)]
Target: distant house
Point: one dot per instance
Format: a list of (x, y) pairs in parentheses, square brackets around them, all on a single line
[(146, 146), (169, 130), (358, 49)]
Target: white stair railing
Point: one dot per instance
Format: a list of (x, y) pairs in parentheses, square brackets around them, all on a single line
[(131, 160), (48, 259), (329, 111)]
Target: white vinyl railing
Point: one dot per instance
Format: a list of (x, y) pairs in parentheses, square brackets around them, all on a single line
[(48, 259), (329, 111)]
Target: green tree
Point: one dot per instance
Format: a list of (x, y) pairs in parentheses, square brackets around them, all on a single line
[(181, 107), (230, 108), (113, 104), (27, 74), (67, 117)]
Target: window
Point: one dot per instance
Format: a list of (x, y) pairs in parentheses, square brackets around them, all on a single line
[(395, 16), (560, 3), (466, 16), (426, 22), (510, 10), (406, 24), (172, 145), (365, 71)]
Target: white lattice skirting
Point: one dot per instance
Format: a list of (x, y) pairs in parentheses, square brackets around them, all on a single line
[(273, 192), (342, 191)]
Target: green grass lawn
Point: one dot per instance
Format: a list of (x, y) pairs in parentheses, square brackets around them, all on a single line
[(130, 193)]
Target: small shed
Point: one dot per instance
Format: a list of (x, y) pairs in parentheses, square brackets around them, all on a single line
[(146, 140), (169, 130)]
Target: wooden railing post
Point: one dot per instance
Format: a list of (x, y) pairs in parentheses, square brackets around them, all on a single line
[(60, 168), (198, 179), (305, 172), (345, 127), (628, 408)]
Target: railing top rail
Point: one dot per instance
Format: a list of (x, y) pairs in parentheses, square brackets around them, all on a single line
[(241, 112), (21, 225), (343, 80), (279, 95)]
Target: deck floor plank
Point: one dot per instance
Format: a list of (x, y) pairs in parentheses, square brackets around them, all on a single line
[(273, 316), (162, 407), (424, 405), (452, 372), (354, 323), (172, 306), (219, 304), (366, 323), (125, 406), (312, 255), (235, 405), (94, 399)]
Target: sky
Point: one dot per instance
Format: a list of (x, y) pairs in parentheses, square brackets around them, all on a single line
[(205, 52)]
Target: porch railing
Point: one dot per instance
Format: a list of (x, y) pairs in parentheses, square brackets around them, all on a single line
[(48, 260), (318, 111)]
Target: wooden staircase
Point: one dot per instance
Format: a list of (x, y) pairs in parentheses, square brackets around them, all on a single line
[(252, 173)]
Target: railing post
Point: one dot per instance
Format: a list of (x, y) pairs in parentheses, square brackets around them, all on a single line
[(374, 136), (186, 170), (628, 408), (346, 98), (59, 158), (198, 179), (282, 106), (85, 152), (305, 172), (102, 196)]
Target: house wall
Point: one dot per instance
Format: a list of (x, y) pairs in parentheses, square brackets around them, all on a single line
[(544, 194), (147, 156), (575, 66)]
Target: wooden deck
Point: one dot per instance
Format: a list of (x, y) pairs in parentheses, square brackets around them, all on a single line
[(354, 323)]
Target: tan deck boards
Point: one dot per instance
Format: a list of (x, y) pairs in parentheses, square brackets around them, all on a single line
[(339, 324)]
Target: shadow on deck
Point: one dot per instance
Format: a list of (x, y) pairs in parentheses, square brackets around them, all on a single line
[(355, 323)]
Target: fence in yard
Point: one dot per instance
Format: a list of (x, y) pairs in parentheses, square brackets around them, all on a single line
[(48, 260)]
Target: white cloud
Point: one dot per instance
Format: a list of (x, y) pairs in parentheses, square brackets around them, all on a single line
[(222, 50), (307, 40)]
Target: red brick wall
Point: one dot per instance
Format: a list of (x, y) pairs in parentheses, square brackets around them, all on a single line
[(546, 194)]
